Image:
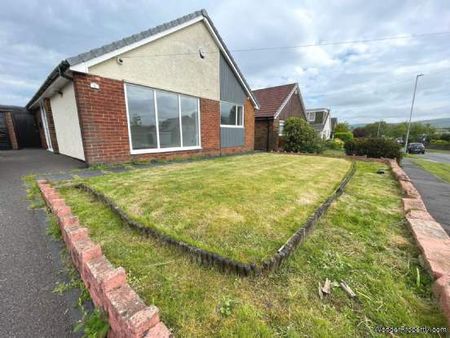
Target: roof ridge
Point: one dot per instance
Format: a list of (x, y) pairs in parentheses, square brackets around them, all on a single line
[(136, 36), (283, 85)]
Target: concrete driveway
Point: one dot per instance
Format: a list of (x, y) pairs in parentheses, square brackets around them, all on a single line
[(30, 265), (435, 192)]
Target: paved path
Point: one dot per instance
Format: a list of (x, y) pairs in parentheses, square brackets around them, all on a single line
[(30, 265), (434, 191)]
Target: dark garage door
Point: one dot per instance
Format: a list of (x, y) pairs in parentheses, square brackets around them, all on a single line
[(27, 130), (4, 136)]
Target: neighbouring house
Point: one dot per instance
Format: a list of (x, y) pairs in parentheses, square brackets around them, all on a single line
[(334, 122), (17, 128), (171, 91), (320, 120), (276, 105)]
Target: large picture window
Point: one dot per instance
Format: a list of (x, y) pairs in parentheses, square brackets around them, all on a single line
[(231, 115), (161, 121)]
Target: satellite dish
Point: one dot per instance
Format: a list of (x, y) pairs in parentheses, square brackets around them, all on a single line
[(202, 53)]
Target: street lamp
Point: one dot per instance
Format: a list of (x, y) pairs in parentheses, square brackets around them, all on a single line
[(411, 112)]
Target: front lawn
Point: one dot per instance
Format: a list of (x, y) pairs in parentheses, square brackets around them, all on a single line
[(241, 207), (362, 239), (441, 170)]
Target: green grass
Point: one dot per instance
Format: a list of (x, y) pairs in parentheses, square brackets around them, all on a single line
[(441, 170), (242, 207), (362, 239)]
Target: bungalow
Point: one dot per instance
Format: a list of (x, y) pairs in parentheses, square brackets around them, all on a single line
[(173, 90), (276, 105), (320, 120)]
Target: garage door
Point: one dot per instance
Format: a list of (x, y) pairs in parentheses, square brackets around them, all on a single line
[(4, 136)]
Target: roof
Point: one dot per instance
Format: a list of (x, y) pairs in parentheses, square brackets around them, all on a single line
[(272, 100), (117, 46), (321, 118), (12, 109)]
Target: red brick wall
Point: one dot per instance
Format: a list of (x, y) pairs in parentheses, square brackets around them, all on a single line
[(37, 117), (210, 124), (266, 129), (103, 120), (11, 130), (51, 125), (104, 129), (249, 124)]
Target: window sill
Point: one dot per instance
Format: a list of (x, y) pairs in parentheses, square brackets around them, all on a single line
[(230, 126), (163, 150)]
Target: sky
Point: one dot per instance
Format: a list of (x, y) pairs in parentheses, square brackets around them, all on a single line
[(359, 82)]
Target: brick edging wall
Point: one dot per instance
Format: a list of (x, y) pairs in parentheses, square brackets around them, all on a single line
[(433, 241), (128, 315), (225, 264)]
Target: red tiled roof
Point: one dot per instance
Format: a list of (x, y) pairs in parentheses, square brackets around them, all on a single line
[(270, 99)]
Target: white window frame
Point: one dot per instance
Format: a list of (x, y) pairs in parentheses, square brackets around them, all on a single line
[(280, 130), (231, 125), (311, 116), (159, 149)]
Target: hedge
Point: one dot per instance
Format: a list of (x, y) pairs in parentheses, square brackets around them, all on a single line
[(344, 136), (373, 147)]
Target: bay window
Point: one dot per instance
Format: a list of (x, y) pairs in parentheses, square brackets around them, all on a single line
[(231, 115), (161, 121)]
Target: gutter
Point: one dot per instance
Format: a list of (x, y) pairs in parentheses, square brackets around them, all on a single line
[(57, 72)]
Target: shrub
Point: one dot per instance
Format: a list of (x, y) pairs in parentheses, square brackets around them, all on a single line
[(445, 137), (344, 136), (440, 142), (299, 136), (373, 147), (335, 144)]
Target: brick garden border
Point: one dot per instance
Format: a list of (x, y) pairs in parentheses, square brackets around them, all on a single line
[(128, 315), (225, 264), (433, 241)]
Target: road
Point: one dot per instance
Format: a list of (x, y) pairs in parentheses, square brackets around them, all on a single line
[(435, 192), (30, 264)]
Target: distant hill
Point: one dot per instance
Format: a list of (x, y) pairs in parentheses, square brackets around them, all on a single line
[(437, 123)]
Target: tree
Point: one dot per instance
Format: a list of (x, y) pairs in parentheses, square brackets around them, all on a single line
[(299, 136), (360, 132), (342, 127)]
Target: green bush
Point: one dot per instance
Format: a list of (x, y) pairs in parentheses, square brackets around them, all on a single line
[(373, 147), (445, 137), (299, 136), (335, 144), (344, 136), (440, 142)]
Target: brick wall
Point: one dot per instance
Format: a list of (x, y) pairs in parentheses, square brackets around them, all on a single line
[(37, 117), (51, 125), (104, 129), (249, 123), (11, 130), (266, 134)]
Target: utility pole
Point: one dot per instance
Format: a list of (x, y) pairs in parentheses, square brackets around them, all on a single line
[(378, 130), (411, 112)]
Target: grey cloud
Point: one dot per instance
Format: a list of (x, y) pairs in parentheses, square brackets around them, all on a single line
[(359, 82)]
